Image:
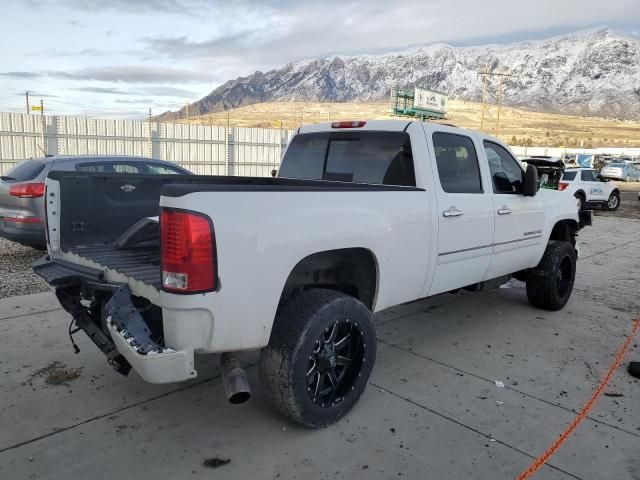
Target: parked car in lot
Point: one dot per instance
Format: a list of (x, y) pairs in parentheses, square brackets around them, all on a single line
[(625, 171), (590, 188), (22, 189), (363, 216)]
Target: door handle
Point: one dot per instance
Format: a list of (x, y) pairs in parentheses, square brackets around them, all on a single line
[(452, 212), (504, 210)]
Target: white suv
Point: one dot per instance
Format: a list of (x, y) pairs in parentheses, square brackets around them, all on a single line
[(590, 188)]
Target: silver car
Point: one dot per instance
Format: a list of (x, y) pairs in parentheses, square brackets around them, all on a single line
[(628, 172), (22, 189)]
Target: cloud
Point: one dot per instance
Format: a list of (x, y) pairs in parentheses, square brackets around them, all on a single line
[(20, 74), (53, 52), (156, 91), (134, 74), (280, 32), (182, 7)]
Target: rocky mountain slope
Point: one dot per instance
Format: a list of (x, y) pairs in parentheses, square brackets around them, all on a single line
[(589, 72)]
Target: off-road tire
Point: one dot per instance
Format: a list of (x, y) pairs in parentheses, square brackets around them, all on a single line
[(549, 285), (284, 362), (616, 204)]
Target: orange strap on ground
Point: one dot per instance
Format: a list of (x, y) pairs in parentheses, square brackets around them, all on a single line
[(542, 459)]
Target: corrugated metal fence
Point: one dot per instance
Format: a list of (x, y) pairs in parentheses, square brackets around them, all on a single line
[(203, 149)]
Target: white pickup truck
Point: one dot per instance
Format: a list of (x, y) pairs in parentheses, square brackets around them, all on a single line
[(362, 216)]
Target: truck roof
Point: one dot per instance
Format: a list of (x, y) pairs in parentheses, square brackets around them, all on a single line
[(374, 125)]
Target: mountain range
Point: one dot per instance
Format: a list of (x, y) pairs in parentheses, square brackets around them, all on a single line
[(588, 72)]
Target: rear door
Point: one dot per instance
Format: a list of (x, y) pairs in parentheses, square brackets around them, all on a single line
[(465, 212), (519, 220)]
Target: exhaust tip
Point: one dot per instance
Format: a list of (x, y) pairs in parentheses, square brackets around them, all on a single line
[(239, 397), (234, 379)]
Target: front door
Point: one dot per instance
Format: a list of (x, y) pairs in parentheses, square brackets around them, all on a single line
[(519, 220), (465, 214)]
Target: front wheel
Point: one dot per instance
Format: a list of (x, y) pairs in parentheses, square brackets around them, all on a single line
[(613, 202), (319, 358), (550, 284)]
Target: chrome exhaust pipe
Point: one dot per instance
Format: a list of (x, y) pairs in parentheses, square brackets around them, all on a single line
[(234, 379)]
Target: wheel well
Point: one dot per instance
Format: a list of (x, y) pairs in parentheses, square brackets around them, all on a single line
[(581, 193), (565, 231), (351, 270), (615, 190)]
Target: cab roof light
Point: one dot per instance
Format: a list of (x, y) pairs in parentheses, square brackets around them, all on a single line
[(348, 124)]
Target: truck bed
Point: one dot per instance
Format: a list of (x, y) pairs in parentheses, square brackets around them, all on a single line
[(141, 263)]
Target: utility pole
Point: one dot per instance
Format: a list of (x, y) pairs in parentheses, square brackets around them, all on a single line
[(26, 95), (499, 104), (546, 142), (485, 75)]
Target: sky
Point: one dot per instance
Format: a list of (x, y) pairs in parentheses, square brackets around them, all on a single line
[(120, 58)]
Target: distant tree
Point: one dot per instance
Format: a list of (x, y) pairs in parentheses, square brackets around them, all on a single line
[(513, 141)]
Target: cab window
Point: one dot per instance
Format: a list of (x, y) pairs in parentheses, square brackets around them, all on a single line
[(457, 163), (506, 174)]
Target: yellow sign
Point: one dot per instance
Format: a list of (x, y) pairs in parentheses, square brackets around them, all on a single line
[(36, 107)]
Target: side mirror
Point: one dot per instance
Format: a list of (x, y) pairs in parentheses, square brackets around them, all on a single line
[(274, 172), (530, 185)]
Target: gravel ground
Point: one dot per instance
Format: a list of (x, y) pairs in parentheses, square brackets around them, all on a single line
[(16, 277), (629, 204)]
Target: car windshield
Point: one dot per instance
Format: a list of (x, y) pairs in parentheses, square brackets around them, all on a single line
[(617, 165), (27, 170)]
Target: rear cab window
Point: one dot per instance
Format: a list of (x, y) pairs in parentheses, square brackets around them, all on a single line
[(383, 158), (25, 171)]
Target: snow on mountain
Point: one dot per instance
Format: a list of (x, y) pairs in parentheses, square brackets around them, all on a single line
[(589, 72)]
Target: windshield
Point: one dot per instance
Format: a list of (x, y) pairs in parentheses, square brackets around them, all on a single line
[(618, 165), (27, 170)]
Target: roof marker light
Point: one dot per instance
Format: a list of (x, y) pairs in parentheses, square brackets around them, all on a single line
[(348, 124)]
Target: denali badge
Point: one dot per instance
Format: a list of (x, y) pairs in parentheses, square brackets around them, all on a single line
[(127, 188)]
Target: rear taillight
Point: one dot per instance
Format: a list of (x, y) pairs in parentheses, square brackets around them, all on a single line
[(22, 219), (562, 186), (348, 124), (188, 252), (27, 190)]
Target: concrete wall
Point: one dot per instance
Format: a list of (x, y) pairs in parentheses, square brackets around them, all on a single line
[(203, 149)]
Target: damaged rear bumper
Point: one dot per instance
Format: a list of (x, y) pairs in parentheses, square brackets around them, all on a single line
[(132, 338), (107, 314)]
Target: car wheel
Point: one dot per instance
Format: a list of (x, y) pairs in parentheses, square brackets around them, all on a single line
[(550, 284), (319, 358), (614, 202)]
